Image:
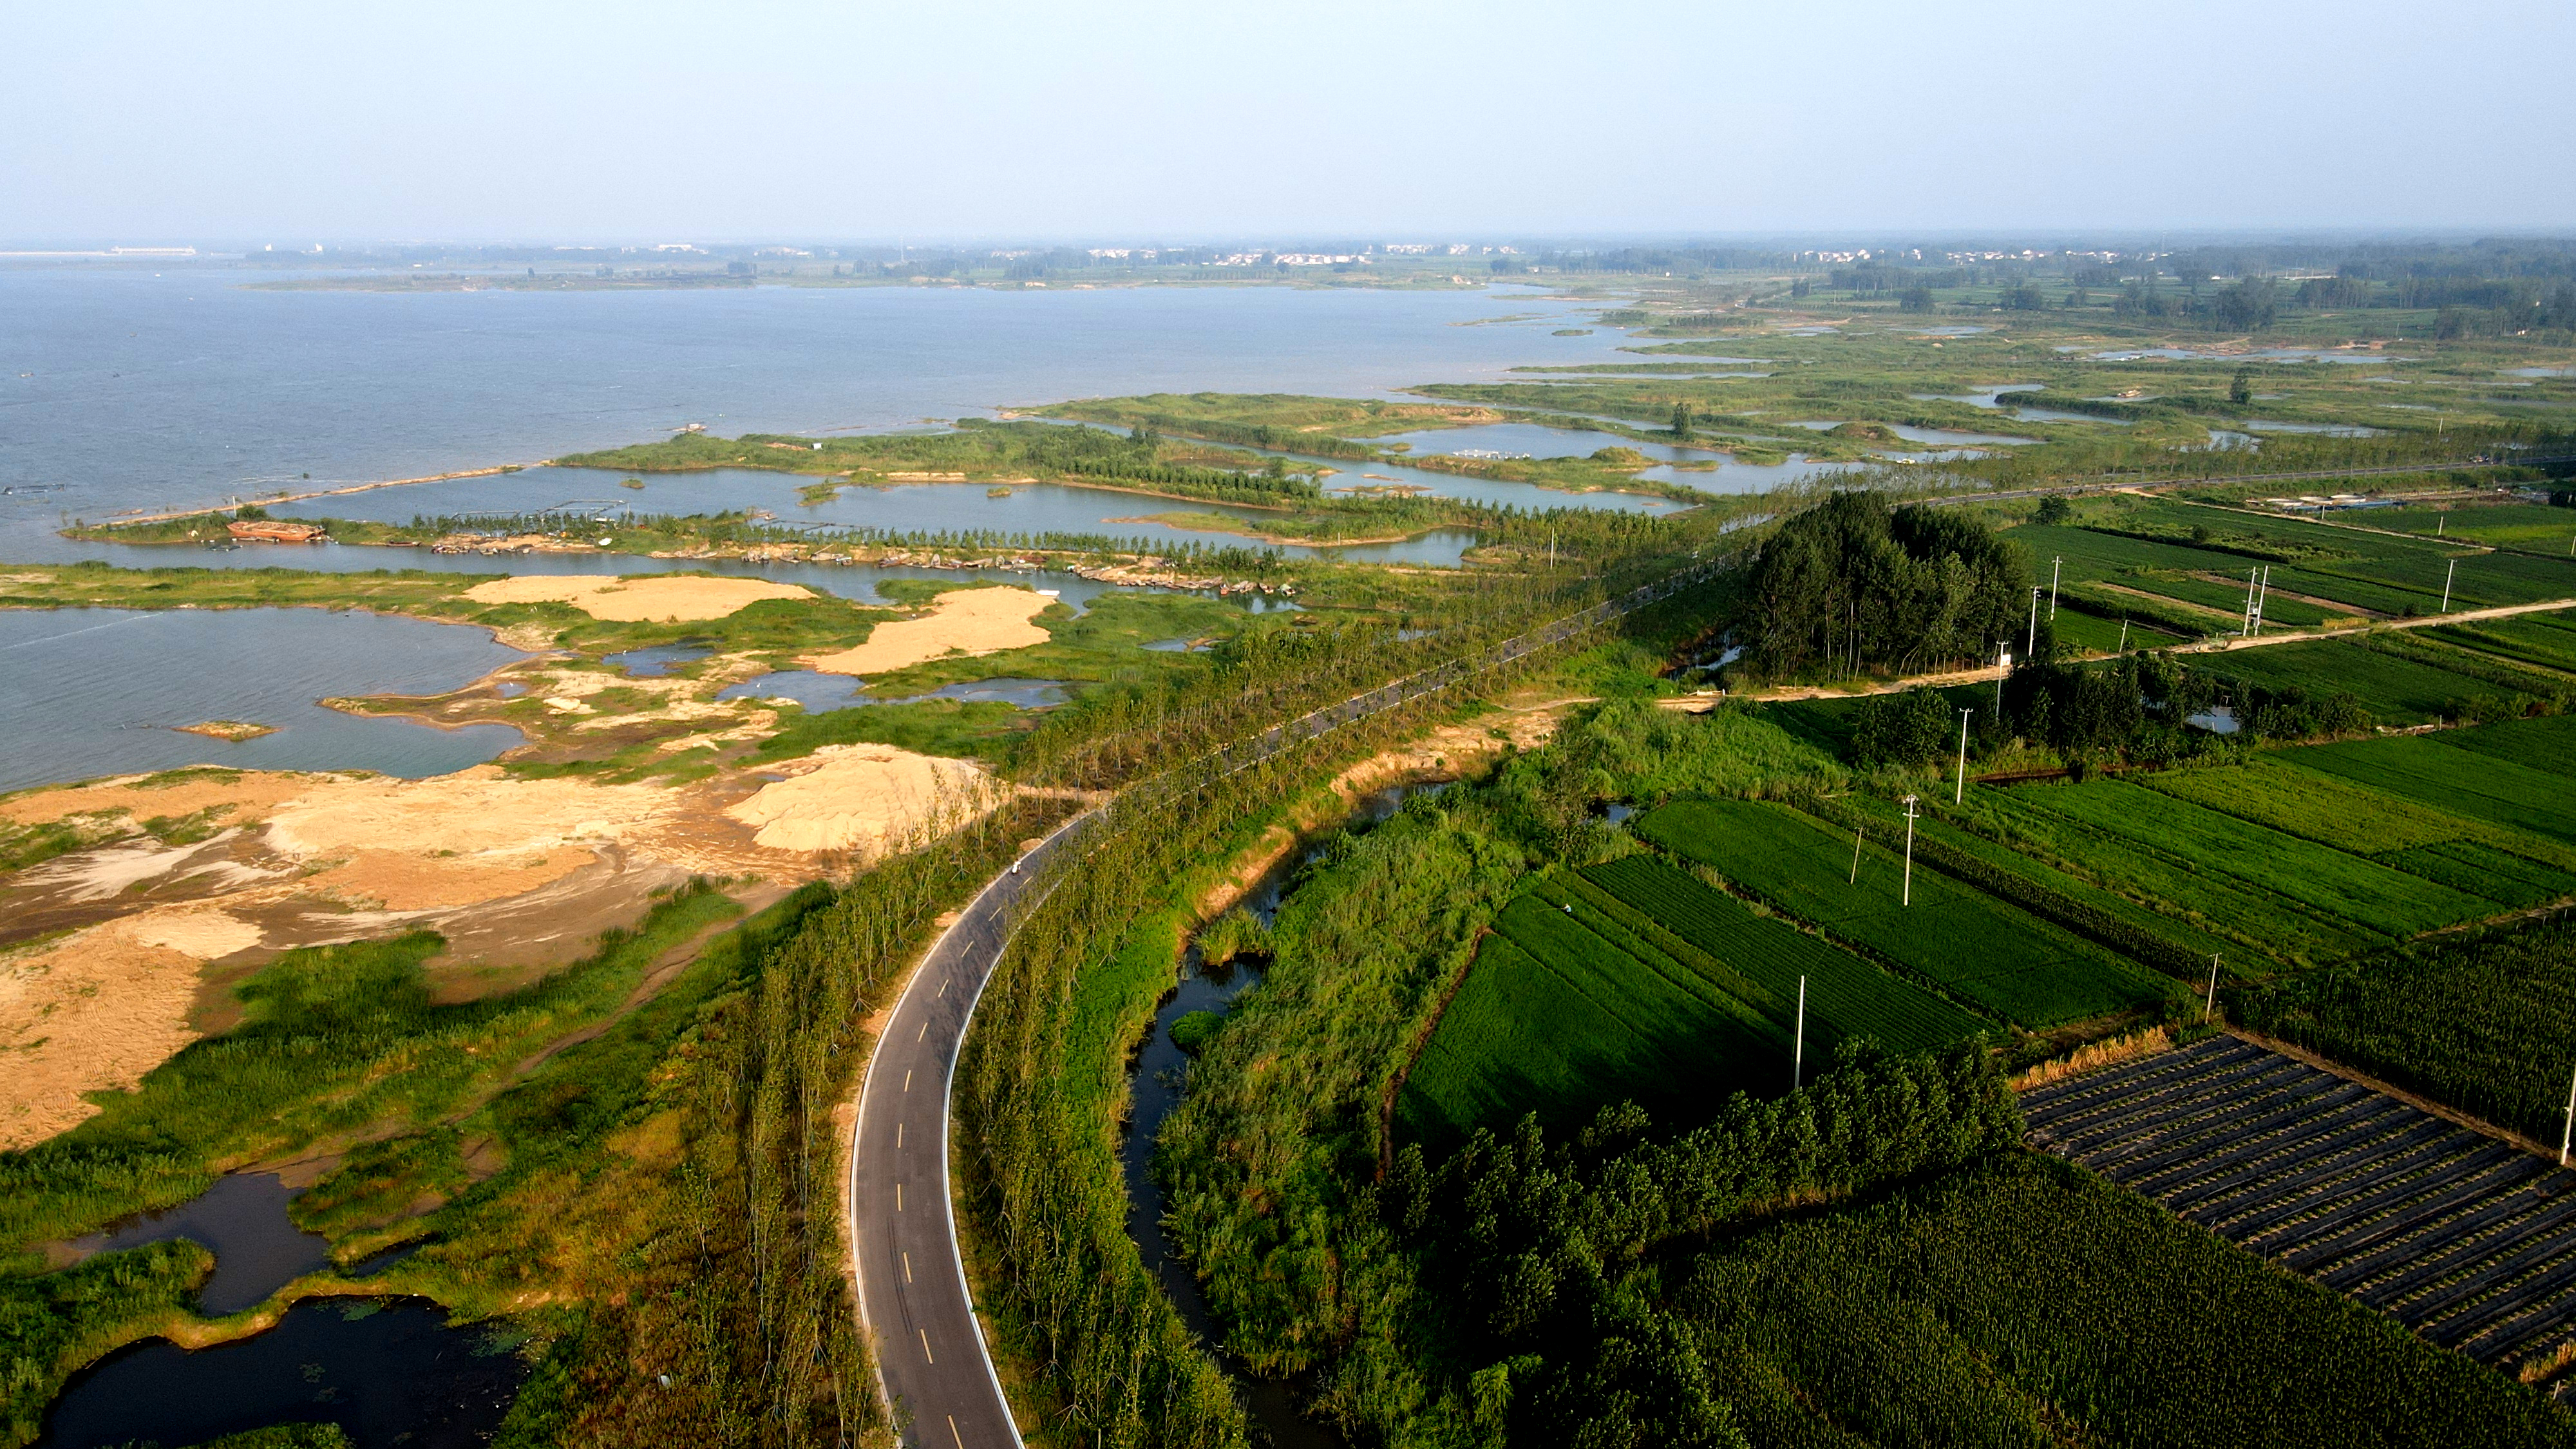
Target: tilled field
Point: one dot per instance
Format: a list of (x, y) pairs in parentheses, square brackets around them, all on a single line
[(2463, 1238)]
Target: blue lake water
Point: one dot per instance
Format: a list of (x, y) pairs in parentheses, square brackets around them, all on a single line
[(88, 692), (654, 661), (124, 388), (1536, 441)]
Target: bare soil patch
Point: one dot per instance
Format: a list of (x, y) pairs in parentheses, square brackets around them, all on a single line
[(865, 799)]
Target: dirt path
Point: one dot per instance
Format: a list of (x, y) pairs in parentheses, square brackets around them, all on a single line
[(1703, 703)]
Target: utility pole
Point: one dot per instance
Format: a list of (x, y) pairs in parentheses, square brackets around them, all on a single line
[(2571, 1122), (1798, 1062), (2249, 604), (2263, 599), (1856, 839), (2447, 575), (1909, 851), (2030, 648), (1961, 793), (2124, 629), (2209, 1006), (1551, 548), (2055, 567), (2003, 662)]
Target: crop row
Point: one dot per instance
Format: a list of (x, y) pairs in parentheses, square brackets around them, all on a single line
[(1846, 995), (2462, 1238), (2019, 967), (2520, 774)]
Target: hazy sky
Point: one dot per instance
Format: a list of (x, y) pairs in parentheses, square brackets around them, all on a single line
[(1145, 120)]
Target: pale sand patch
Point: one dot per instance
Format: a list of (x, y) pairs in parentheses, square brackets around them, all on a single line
[(204, 935), (865, 798), (96, 1010), (972, 621), (409, 881), (652, 598), (473, 812), (249, 795)]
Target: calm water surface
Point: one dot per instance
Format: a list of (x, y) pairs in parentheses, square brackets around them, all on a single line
[(388, 1374), (87, 692), (242, 1220), (127, 389)]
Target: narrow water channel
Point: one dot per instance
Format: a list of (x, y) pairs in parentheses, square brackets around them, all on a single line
[(1155, 1083)]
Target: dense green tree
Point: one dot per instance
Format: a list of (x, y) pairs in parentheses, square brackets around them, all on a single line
[(1851, 585)]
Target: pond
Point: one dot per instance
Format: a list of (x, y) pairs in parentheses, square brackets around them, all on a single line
[(2328, 430), (389, 1373), (818, 692), (1734, 477), (1537, 441), (1947, 437), (242, 1220), (656, 660), (1997, 398), (89, 692), (1031, 508)]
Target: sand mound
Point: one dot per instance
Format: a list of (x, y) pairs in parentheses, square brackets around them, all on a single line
[(651, 598), (865, 798), (96, 1010), (972, 621)]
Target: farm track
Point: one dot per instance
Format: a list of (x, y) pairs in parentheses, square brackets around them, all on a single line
[(2465, 1239)]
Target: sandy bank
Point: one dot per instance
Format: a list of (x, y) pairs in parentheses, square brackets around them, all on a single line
[(967, 621), (652, 598), (97, 1009)]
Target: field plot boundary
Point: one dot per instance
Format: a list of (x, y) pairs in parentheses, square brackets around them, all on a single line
[(2460, 1232)]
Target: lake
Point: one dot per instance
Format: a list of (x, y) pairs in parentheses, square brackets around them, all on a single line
[(182, 388), (89, 692)]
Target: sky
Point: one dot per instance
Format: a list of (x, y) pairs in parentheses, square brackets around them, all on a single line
[(143, 122)]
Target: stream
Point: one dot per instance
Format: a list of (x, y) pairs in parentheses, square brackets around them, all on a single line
[(1155, 1082)]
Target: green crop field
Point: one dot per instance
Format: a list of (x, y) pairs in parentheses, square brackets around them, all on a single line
[(2487, 1024), (2520, 774), (1560, 1013), (2023, 1301), (2395, 689), (2547, 640), (1632, 981), (2002, 958), (2533, 526)]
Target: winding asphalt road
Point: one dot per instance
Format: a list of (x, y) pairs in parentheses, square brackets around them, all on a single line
[(932, 1361), (931, 1358)]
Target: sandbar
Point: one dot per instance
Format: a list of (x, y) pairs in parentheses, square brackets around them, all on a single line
[(632, 599), (966, 621)]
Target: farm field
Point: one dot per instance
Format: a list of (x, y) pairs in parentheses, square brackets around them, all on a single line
[(1632, 981), (2520, 774), (2001, 958), (2395, 689), (2533, 526), (2023, 1301), (2487, 1025), (2377, 559), (2463, 1239), (2547, 640)]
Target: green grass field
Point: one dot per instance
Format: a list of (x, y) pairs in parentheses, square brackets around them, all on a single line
[(2547, 640), (2533, 526), (2520, 774), (2020, 968), (2395, 689), (1633, 981)]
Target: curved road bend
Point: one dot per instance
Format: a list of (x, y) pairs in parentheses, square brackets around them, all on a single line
[(913, 1300), (912, 1286)]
